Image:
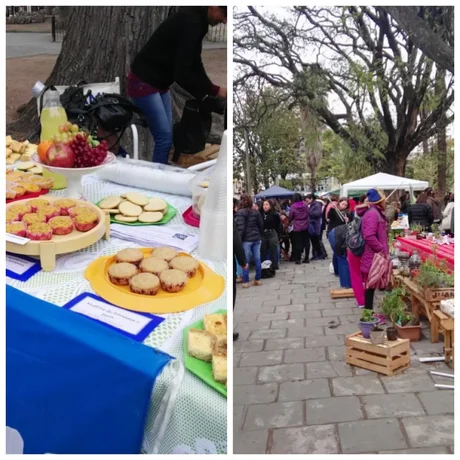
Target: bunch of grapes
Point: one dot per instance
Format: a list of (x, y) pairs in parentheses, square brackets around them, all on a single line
[(86, 155), (67, 133)]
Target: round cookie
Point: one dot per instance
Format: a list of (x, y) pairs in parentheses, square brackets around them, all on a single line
[(156, 204), (121, 273), (144, 283), (130, 255), (129, 209), (173, 280), (164, 253), (153, 265), (150, 217), (122, 218), (186, 264), (110, 202), (137, 198)]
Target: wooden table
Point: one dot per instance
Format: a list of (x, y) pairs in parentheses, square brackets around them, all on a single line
[(444, 324)]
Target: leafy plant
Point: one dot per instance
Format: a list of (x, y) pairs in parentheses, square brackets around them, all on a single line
[(392, 301), (404, 318), (416, 228), (367, 316), (432, 276)]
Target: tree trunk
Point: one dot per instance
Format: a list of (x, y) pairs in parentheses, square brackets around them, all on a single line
[(395, 163), (441, 137)]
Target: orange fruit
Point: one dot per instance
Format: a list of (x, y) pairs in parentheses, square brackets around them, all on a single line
[(42, 150)]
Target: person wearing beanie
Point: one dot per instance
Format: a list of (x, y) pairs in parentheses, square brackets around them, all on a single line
[(173, 55), (374, 232)]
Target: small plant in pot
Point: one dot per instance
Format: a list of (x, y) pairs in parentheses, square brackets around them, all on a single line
[(407, 325), (377, 335), (367, 322), (392, 302)]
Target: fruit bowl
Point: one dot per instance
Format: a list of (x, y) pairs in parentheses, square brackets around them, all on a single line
[(74, 175)]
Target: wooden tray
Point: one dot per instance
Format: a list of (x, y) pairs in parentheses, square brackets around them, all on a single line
[(389, 358), (201, 369), (62, 244), (204, 287)]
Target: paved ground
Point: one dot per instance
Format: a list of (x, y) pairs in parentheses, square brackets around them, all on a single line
[(30, 44), (294, 394)]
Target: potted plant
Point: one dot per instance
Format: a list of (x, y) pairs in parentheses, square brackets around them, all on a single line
[(367, 322), (416, 229), (407, 325), (437, 283), (392, 301), (377, 335)]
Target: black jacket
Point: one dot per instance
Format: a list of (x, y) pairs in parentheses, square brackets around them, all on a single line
[(238, 250), (250, 225), (272, 221), (421, 214), (336, 218), (173, 53)]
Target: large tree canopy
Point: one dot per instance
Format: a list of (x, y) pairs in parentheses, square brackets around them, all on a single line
[(358, 72)]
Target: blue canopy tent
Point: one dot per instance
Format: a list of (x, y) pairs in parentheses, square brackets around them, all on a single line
[(275, 191)]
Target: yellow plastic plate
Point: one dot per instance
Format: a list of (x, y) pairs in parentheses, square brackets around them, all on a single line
[(200, 368), (204, 287)]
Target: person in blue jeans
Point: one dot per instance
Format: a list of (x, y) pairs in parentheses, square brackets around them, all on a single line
[(173, 55), (250, 227)]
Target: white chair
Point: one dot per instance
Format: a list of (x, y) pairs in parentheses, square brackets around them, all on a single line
[(97, 88)]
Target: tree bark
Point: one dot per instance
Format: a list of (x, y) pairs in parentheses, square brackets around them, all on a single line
[(441, 138), (395, 163)]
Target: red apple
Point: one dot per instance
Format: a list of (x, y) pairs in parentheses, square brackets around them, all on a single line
[(60, 155)]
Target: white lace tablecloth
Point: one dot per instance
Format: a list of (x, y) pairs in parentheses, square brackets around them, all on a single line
[(199, 420)]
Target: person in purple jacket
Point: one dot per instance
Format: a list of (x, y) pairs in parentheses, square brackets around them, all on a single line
[(374, 231), (298, 217), (314, 225)]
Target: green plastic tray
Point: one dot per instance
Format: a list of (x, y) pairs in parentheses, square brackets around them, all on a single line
[(201, 369), (170, 213)]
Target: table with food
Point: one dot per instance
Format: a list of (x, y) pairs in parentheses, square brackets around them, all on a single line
[(118, 248)]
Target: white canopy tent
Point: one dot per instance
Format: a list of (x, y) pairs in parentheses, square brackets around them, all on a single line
[(384, 181)]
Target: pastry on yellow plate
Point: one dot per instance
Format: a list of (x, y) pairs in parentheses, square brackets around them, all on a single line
[(153, 265), (61, 225), (187, 264), (38, 203), (219, 367), (173, 280), (32, 218), (130, 255), (65, 204), (164, 253), (121, 273), (16, 228), (144, 283)]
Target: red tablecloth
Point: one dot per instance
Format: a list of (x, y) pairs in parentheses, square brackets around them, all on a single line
[(425, 249)]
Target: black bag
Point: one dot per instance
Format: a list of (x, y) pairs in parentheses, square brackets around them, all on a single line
[(268, 273), (191, 133), (74, 100)]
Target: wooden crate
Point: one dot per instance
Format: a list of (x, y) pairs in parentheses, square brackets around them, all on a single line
[(436, 295), (389, 358), (342, 293)]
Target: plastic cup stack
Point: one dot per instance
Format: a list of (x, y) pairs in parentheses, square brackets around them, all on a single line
[(213, 219)]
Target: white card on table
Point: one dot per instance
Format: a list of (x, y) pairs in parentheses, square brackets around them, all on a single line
[(10, 238), (18, 265), (113, 316)]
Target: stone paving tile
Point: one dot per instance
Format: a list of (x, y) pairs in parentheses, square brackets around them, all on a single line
[(306, 355), (284, 344), (252, 326), (343, 369), (281, 373), (255, 394), (364, 385), (236, 359), (276, 415), (242, 346), (370, 436), (345, 329), (405, 382), (336, 353), (268, 334), (305, 440), (432, 430), (392, 405), (289, 308), (313, 341), (303, 390), (320, 370), (426, 450), (305, 331), (337, 312), (328, 321), (272, 316), (288, 323), (244, 375), (333, 410), (264, 358), (438, 402), (252, 442)]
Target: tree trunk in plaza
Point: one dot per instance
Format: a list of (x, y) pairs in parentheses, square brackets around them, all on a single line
[(99, 45), (441, 138)]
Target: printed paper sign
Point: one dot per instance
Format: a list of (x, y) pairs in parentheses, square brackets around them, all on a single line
[(135, 325), (21, 268)]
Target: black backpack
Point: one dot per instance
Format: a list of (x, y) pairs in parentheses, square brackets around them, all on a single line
[(355, 240)]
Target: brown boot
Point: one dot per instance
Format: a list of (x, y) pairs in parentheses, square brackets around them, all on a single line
[(257, 283)]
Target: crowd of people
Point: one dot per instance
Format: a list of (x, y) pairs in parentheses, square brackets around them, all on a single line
[(293, 230)]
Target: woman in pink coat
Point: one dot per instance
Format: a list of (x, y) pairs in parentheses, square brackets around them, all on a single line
[(374, 231)]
